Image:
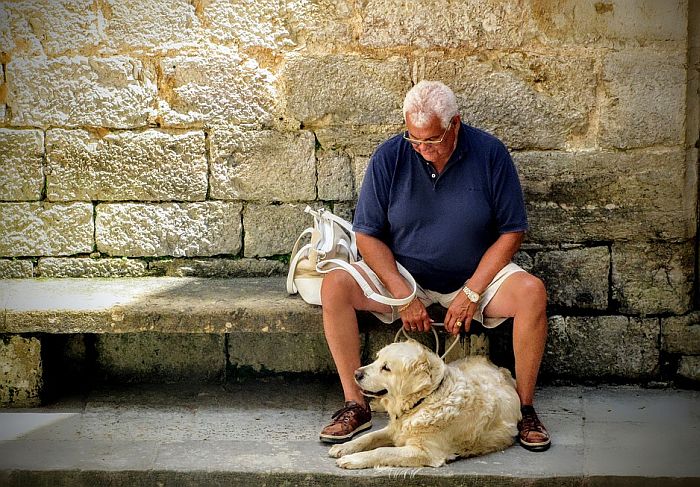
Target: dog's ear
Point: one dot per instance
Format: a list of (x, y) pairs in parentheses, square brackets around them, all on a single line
[(428, 371)]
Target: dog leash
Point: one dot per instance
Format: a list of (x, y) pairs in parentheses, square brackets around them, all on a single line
[(437, 342)]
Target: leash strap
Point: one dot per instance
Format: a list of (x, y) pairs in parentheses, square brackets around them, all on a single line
[(437, 343)]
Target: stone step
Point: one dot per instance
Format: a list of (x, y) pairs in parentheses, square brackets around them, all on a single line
[(265, 432)]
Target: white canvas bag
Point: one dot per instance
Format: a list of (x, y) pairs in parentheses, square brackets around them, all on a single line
[(332, 246)]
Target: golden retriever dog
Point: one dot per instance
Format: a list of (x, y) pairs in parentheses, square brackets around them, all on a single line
[(437, 412)]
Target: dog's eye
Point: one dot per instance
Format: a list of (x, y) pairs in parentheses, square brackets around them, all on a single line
[(385, 368)]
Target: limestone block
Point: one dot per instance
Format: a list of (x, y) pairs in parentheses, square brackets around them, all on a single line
[(344, 210), (150, 27), (144, 357), (442, 23), (272, 230), (524, 260), (320, 23), (528, 101), (89, 267), (47, 27), (356, 140), (576, 278), (346, 89), (218, 268), (607, 23), (46, 229), (645, 98), (335, 177), (653, 278), (153, 165), (599, 347), (249, 24), (176, 229), (115, 92), (15, 269), (21, 159), (21, 373), (593, 195), (681, 334), (215, 87), (360, 165), (280, 352), (262, 165), (689, 368)]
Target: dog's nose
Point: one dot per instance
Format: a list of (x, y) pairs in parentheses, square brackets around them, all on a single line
[(359, 374)]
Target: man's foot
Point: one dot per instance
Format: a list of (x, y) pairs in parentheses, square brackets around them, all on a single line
[(532, 434), (346, 423)]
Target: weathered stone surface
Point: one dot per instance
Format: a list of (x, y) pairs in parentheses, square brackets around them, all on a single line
[(689, 368), (117, 92), (360, 165), (339, 89), (528, 101), (443, 23), (50, 28), (153, 165), (335, 177), (220, 268), (583, 195), (137, 357), (344, 210), (320, 23), (272, 230), (89, 267), (681, 334), (645, 103), (21, 159), (45, 229), (215, 87), (574, 22), (280, 352), (21, 377), (16, 269), (155, 26), (175, 229), (602, 347), (576, 278), (263, 165), (356, 140), (652, 278)]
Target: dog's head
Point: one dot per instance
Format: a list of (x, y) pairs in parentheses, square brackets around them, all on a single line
[(402, 375)]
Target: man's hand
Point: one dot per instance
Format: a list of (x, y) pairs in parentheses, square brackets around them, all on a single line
[(415, 317), (460, 314)]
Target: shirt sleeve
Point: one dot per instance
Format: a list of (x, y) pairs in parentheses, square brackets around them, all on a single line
[(507, 193), (373, 201)]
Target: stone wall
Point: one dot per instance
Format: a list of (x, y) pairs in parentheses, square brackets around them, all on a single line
[(175, 137)]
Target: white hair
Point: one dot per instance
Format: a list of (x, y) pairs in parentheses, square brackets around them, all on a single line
[(428, 99)]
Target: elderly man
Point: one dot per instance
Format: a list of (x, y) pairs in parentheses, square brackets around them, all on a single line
[(444, 200)]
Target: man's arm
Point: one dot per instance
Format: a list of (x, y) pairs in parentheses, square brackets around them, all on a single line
[(497, 256)]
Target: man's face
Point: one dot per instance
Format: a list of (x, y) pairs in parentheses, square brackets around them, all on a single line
[(436, 153)]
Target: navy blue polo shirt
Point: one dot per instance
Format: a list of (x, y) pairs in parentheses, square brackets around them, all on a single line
[(440, 225)]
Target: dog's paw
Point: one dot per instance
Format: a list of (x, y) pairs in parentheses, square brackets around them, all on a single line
[(336, 451), (351, 461)]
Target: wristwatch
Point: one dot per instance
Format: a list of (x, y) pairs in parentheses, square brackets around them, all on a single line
[(471, 295)]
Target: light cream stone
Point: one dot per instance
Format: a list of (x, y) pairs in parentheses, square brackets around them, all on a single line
[(319, 23), (116, 92), (49, 27), (21, 371), (345, 89), (335, 177), (45, 229), (16, 269), (645, 98), (155, 26), (263, 165), (273, 229), (280, 352), (21, 159), (175, 229), (153, 165), (681, 334), (576, 278), (444, 23), (602, 347), (527, 100), (218, 268), (653, 278), (360, 165), (356, 140), (89, 267), (218, 86)]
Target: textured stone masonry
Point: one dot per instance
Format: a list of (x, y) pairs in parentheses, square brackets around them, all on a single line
[(21, 164)]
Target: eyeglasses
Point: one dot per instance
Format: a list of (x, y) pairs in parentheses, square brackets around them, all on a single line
[(416, 142)]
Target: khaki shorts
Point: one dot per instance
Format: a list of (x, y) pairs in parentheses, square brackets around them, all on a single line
[(428, 297)]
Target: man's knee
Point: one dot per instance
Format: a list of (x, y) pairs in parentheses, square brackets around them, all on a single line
[(532, 291), (337, 285)]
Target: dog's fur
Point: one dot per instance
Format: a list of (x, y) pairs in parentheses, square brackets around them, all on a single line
[(437, 412)]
